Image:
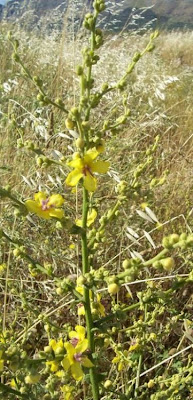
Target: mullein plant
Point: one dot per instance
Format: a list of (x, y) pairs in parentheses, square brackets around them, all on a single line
[(72, 362)]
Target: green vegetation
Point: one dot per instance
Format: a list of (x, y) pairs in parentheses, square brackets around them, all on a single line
[(96, 270)]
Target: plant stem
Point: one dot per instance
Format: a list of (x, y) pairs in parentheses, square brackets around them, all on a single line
[(87, 306)]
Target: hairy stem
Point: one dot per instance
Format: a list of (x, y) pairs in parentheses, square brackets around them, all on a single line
[(87, 305)]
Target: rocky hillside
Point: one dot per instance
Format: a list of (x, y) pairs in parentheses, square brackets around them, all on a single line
[(49, 15)]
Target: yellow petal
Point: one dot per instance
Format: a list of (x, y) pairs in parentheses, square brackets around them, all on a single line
[(76, 371), (101, 307), (32, 206), (72, 334), (81, 311), (100, 166), (82, 346), (79, 222), (79, 289), (74, 177), (92, 154), (56, 213), (65, 363), (91, 217), (55, 200), (77, 163), (90, 183), (87, 363), (120, 366), (53, 344), (40, 196), (81, 331), (70, 351), (54, 366), (115, 360)]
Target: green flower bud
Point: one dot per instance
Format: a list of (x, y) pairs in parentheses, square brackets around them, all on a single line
[(174, 238), (113, 288), (79, 70), (151, 384), (16, 44), (59, 102), (183, 236), (39, 161), (80, 143), (126, 263), (48, 349), (59, 291), (16, 57), (136, 57), (167, 263), (32, 379), (166, 243), (151, 47), (69, 124), (107, 384), (74, 111), (40, 97)]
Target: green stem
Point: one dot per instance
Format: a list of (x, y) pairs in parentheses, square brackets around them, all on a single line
[(87, 305)]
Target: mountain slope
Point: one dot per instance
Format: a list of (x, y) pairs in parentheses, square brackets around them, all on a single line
[(50, 15)]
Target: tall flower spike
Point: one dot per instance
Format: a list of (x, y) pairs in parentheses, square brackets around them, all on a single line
[(84, 167), (46, 207)]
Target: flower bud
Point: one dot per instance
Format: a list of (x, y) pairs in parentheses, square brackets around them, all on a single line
[(126, 263), (31, 379), (79, 70), (167, 263), (113, 288), (150, 384), (136, 57), (107, 384), (174, 238), (74, 111), (80, 143), (59, 291)]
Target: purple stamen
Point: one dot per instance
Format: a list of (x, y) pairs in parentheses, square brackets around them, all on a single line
[(74, 341), (44, 204), (78, 357), (86, 170)]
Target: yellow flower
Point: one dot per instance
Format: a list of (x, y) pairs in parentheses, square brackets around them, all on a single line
[(54, 365), (100, 307), (90, 219), (57, 347), (94, 305), (84, 167), (134, 345), (75, 359), (12, 383), (121, 360), (67, 390), (46, 207), (78, 334)]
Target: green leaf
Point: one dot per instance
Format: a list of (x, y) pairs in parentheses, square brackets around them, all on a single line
[(7, 389)]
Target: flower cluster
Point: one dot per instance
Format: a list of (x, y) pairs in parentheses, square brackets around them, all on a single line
[(75, 357), (84, 168)]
